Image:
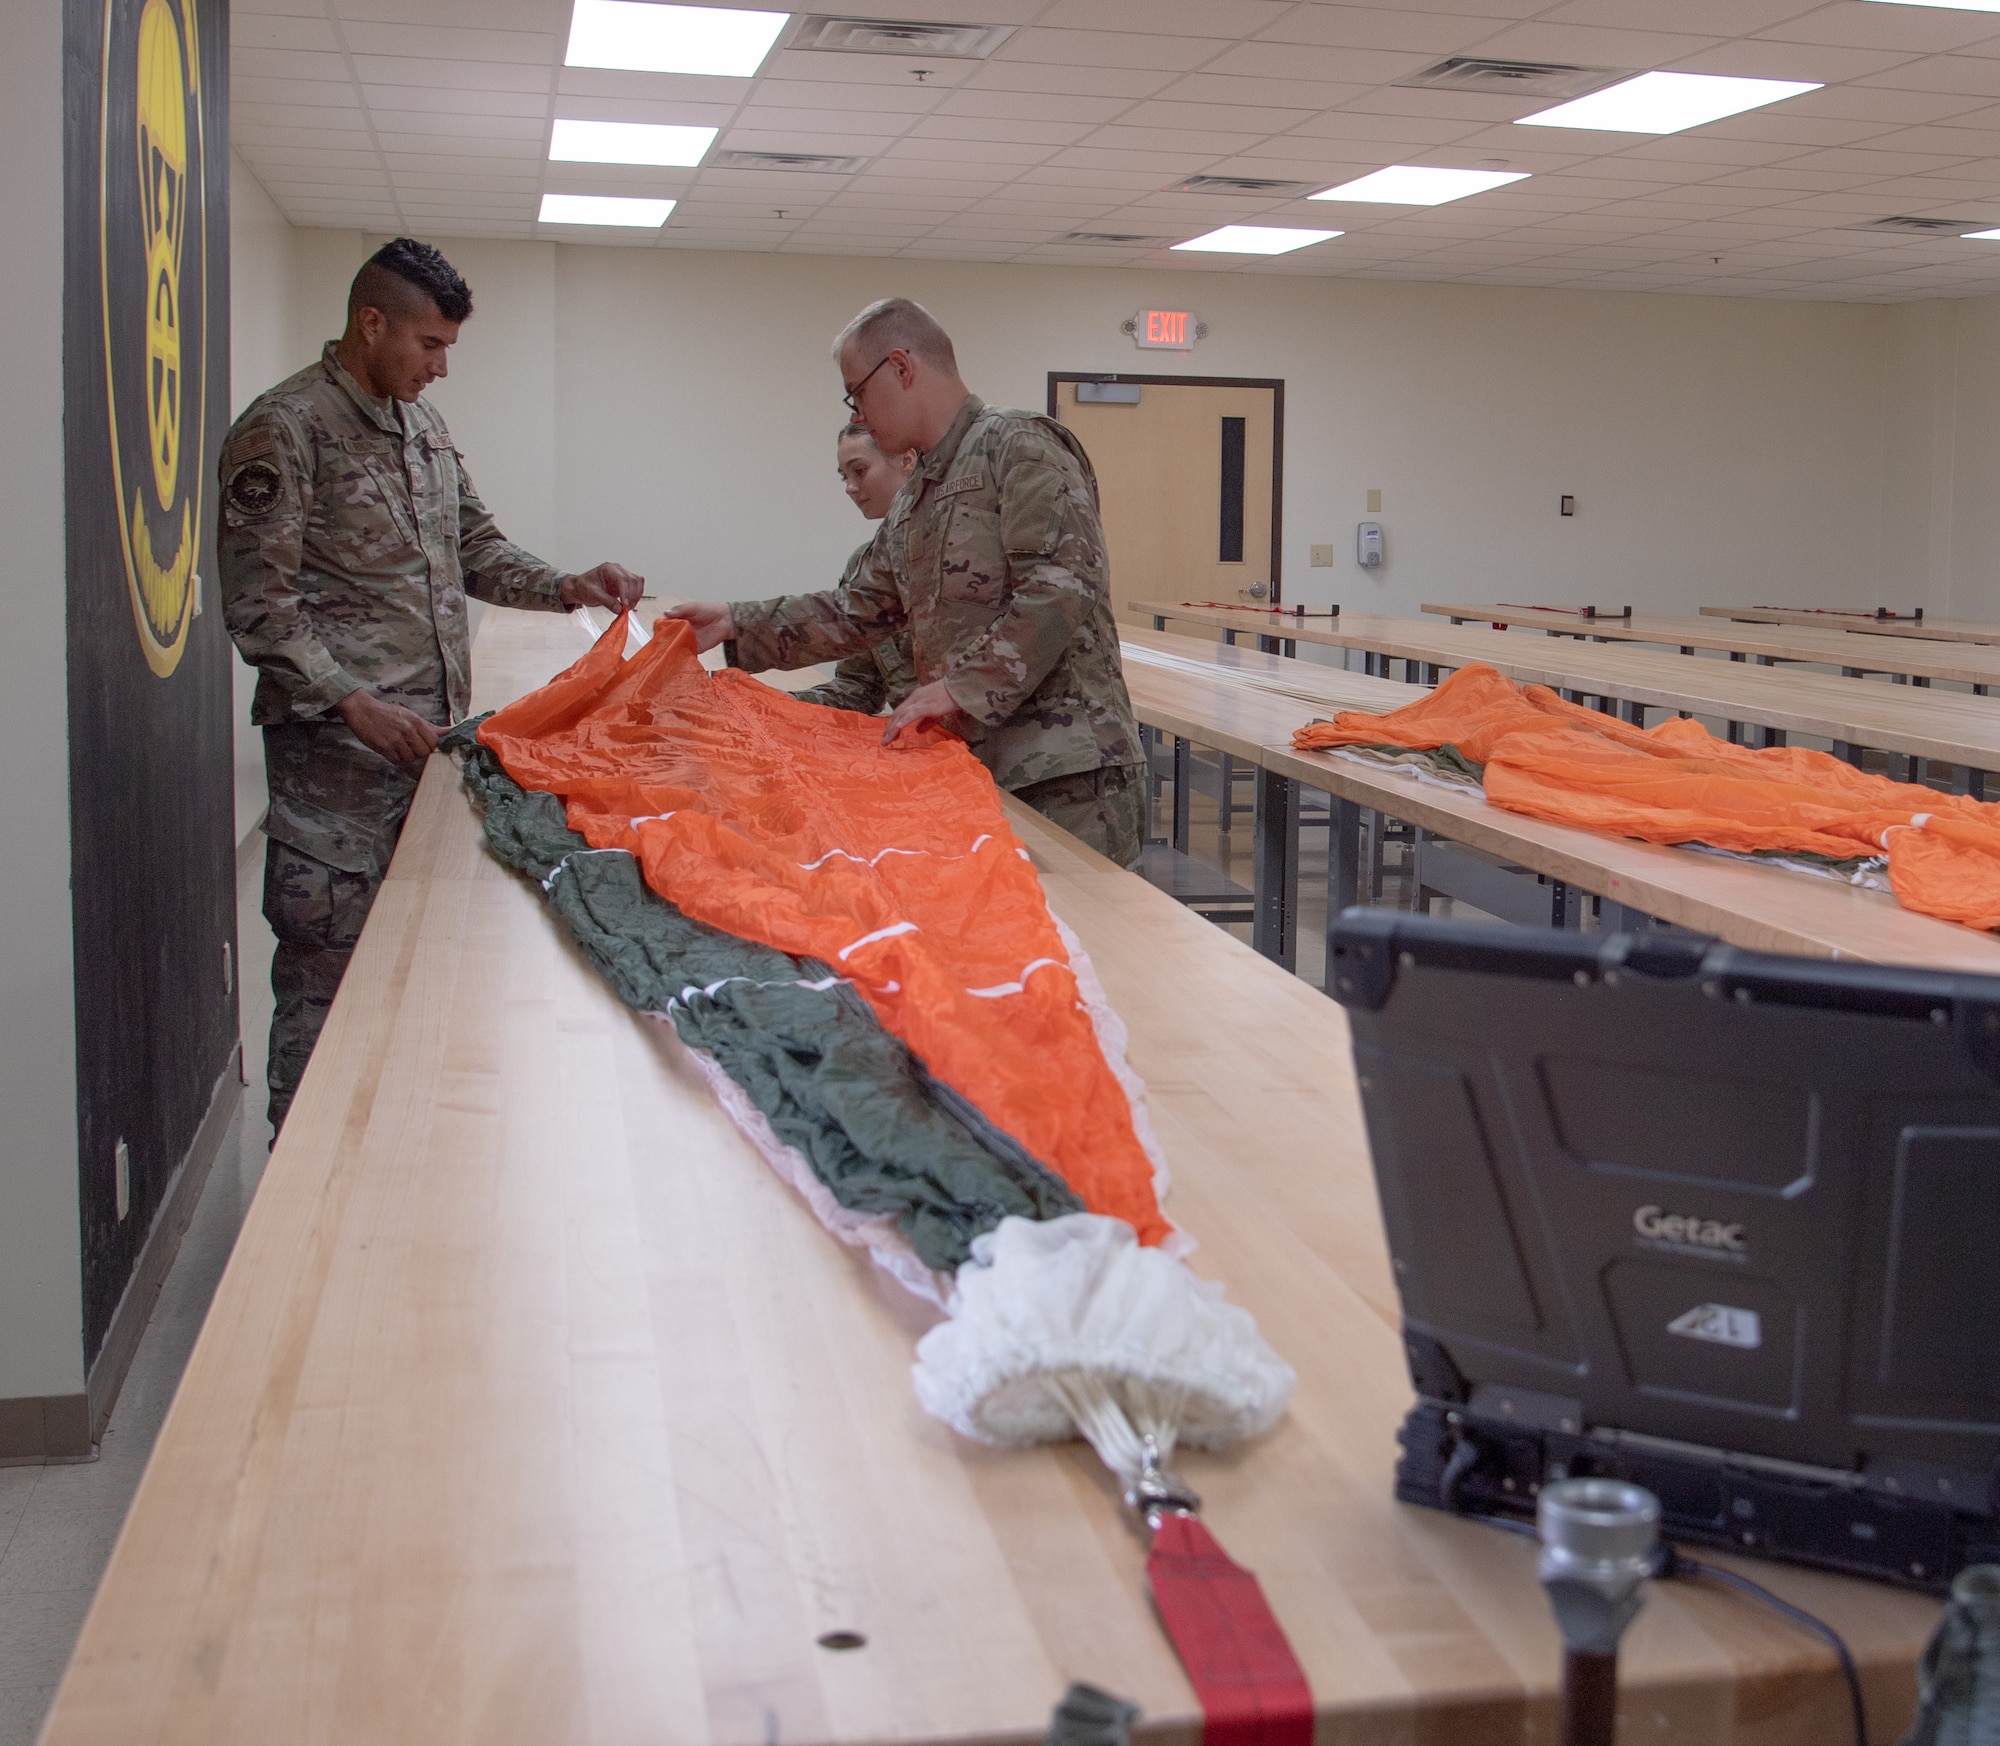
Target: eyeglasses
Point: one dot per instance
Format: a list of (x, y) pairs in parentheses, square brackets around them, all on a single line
[(856, 389)]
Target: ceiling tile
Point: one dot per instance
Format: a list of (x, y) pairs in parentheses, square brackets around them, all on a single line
[(1051, 80), (437, 42), (1380, 27), (1103, 48), (1233, 19), (1907, 30), (1030, 106), (979, 127)]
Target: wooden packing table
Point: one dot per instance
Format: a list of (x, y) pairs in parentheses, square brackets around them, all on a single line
[(1764, 908), (533, 1409), (1909, 657), (1959, 729), (1946, 630)]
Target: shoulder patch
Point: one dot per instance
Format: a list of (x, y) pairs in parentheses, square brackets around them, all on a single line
[(963, 483), (258, 440), (253, 491)]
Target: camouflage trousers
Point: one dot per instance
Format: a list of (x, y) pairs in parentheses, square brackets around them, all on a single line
[(316, 911), (1105, 809)]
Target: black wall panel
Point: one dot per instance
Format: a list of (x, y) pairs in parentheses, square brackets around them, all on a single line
[(146, 393)]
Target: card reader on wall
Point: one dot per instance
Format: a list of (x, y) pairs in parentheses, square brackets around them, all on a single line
[(1368, 545)]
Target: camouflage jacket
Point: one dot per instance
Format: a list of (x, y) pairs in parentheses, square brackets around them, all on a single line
[(992, 557), (873, 682), (350, 536)]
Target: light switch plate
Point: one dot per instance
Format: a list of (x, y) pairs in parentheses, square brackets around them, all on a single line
[(1322, 557), (1374, 500)]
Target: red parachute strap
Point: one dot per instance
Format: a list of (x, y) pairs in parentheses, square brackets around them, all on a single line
[(1252, 1690)]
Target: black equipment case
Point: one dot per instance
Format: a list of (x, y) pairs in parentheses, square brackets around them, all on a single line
[(1723, 1224)]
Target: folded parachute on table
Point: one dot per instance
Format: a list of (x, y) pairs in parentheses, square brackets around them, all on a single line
[(1676, 783), (856, 949)]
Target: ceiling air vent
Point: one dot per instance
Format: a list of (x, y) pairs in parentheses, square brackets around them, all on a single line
[(807, 163), (897, 36), (1512, 78), (1904, 226), (1261, 185), (1114, 238)]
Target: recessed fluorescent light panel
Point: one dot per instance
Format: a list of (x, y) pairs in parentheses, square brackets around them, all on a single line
[(1419, 185), (1665, 103), (1255, 239), (604, 209), (644, 38), (1954, 5), (628, 142), (1981, 235)]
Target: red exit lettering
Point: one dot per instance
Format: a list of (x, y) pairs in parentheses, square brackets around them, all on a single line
[(1170, 328)]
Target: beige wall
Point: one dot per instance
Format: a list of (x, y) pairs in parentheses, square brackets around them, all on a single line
[(262, 350), (675, 410), (1942, 527), (41, 1307)]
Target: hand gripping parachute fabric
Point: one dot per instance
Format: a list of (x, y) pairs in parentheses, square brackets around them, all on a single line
[(1676, 783), (811, 898)]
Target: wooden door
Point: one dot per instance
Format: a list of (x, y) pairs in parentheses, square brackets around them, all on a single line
[(1188, 478)]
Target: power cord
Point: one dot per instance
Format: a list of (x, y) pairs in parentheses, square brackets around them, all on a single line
[(1674, 1563)]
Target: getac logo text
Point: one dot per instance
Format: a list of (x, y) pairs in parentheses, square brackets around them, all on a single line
[(1666, 1227)]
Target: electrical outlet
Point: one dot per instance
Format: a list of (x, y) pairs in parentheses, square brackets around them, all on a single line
[(1322, 557), (121, 1178), (1374, 500)]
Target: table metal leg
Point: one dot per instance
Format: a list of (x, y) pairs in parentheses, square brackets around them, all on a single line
[(1769, 736), (1847, 752), (1183, 781), (1266, 645), (1159, 621), (1635, 713), (1229, 637), (1276, 870), (1975, 784)]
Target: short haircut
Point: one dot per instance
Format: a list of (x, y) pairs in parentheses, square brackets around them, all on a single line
[(402, 277), (896, 324)]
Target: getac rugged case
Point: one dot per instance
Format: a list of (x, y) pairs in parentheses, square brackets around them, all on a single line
[(1723, 1224)]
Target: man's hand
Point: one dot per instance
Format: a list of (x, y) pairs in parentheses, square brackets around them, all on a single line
[(926, 706), (711, 621), (388, 729), (609, 585)]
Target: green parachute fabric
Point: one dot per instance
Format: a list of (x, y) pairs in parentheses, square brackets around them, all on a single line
[(878, 1131), (792, 825)]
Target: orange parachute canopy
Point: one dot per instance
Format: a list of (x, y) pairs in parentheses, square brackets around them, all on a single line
[(1677, 783), (789, 824)]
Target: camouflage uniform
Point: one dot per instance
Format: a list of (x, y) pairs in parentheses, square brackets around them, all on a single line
[(992, 558), (873, 682), (350, 539)]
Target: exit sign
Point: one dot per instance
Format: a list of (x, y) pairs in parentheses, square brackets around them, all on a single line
[(1165, 330)]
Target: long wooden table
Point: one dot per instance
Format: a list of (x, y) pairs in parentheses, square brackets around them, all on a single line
[(1958, 729), (533, 1409), (1762, 641), (1949, 630), (1772, 909)]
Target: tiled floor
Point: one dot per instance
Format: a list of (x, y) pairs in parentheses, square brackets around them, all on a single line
[(57, 1524)]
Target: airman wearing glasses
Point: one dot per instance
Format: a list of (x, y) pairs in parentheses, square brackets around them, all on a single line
[(992, 558)]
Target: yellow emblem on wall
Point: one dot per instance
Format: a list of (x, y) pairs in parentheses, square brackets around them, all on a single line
[(153, 249)]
